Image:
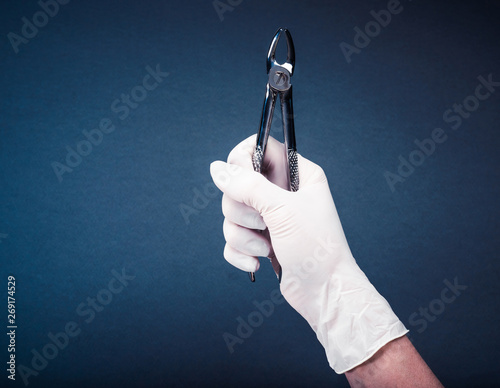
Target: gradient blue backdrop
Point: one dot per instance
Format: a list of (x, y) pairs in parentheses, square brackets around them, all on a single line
[(121, 207)]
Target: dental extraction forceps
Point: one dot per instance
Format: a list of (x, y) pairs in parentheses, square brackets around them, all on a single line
[(279, 76)]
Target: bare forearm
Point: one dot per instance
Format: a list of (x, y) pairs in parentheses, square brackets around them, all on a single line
[(397, 364)]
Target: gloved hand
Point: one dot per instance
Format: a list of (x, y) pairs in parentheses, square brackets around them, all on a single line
[(320, 277)]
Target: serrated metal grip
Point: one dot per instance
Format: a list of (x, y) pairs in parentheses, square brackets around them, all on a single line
[(257, 158), (293, 168)]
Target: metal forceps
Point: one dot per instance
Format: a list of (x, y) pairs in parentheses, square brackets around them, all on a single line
[(279, 77)]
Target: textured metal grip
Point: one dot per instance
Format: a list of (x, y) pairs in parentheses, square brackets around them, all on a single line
[(293, 168), (257, 158)]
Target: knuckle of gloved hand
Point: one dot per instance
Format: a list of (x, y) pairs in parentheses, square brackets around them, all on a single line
[(242, 214), (320, 173), (240, 155), (227, 206), (230, 177), (229, 254), (255, 246), (315, 171), (240, 260), (254, 220), (228, 230), (244, 240), (233, 211)]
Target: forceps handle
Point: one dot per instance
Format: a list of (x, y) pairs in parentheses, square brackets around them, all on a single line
[(289, 135), (264, 129), (262, 136)]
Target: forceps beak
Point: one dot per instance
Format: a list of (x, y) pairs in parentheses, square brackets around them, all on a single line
[(290, 53)]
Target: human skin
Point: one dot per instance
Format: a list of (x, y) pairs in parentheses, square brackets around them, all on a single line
[(397, 364)]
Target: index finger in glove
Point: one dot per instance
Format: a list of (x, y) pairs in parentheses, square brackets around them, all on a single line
[(241, 155), (246, 186), (274, 165)]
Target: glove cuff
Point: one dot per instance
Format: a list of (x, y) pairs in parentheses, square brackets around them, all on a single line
[(355, 321)]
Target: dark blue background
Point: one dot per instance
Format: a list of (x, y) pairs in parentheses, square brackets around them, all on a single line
[(121, 207)]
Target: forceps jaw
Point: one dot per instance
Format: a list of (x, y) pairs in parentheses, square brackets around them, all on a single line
[(279, 84), (290, 53)]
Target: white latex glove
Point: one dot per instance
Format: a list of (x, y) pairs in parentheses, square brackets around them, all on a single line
[(320, 278)]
